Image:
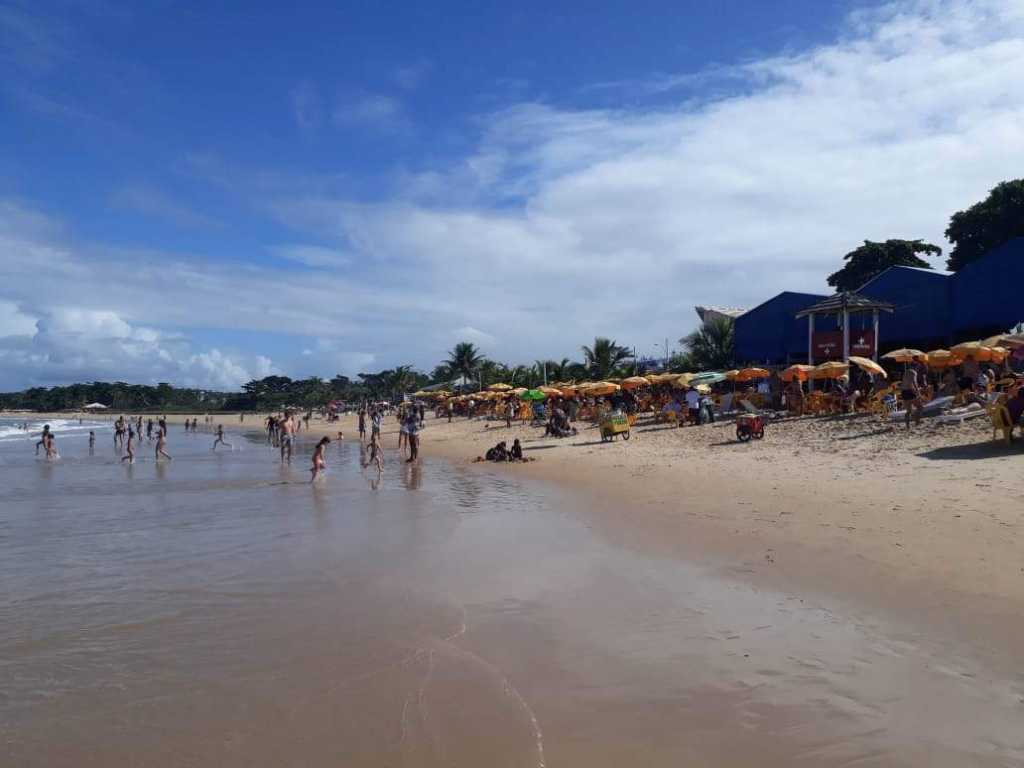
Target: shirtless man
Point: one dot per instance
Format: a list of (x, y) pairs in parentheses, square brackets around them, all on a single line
[(286, 433), (149, 429)]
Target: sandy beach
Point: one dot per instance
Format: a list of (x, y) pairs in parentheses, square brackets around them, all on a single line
[(926, 521)]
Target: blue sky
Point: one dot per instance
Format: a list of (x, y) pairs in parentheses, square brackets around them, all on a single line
[(205, 195)]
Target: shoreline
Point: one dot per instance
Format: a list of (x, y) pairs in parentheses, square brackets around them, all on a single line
[(922, 525)]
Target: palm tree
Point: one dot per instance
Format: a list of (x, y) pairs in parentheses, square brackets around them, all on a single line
[(464, 360), (712, 346), (604, 357)]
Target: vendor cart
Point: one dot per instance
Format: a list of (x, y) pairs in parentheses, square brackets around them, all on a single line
[(613, 424)]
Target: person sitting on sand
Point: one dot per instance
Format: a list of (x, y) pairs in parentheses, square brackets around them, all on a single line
[(319, 462), (516, 453), (497, 453)]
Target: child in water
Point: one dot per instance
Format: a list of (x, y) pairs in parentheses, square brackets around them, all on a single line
[(318, 458)]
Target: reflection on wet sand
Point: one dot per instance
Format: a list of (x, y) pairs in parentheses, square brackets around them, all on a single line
[(219, 610)]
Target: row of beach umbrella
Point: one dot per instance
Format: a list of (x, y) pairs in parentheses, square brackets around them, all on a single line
[(993, 349)]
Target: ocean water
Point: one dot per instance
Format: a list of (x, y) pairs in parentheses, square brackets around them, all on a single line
[(219, 610)]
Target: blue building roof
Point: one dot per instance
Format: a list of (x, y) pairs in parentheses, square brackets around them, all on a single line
[(922, 299), (771, 334), (988, 294)]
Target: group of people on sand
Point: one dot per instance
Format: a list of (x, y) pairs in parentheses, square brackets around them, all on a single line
[(502, 453)]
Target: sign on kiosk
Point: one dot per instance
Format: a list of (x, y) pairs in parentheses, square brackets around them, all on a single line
[(828, 345)]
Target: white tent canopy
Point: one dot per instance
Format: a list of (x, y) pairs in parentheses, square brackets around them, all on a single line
[(94, 407)]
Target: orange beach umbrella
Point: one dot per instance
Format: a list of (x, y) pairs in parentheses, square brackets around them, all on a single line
[(869, 365)]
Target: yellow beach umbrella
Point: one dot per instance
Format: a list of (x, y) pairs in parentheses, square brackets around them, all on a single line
[(943, 358), (830, 370), (869, 365), (634, 382), (905, 355), (974, 349), (499, 388), (799, 372), (682, 380), (752, 374), (602, 388), (517, 391), (731, 375), (999, 354), (550, 391)]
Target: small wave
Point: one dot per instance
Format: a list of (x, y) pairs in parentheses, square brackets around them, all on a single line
[(12, 429)]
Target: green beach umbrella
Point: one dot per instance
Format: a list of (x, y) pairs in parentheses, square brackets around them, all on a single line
[(533, 394), (707, 377)]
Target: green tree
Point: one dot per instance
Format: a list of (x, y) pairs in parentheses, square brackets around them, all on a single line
[(464, 360), (986, 225), (604, 357), (712, 346), (872, 259)]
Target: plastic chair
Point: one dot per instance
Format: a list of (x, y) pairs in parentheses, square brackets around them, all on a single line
[(1001, 422)]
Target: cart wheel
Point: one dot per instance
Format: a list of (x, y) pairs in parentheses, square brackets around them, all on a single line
[(625, 435), (743, 435), (759, 434)]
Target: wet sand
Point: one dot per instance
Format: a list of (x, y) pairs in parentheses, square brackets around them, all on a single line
[(220, 611)]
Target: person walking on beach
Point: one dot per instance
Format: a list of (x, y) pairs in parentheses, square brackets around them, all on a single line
[(43, 437), (161, 445), (509, 413), (92, 441), (910, 393), (362, 424), (286, 430), (149, 429), (51, 447), (413, 438), (376, 455), (220, 439), (129, 455), (375, 421), (319, 455), (449, 407)]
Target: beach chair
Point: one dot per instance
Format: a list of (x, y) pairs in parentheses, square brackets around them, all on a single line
[(889, 406), (1001, 422)]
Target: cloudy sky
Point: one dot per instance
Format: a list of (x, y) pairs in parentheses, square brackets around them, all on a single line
[(206, 196)]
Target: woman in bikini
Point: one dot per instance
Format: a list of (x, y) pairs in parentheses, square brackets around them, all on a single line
[(318, 458)]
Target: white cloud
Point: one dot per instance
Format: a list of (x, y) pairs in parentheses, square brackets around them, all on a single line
[(306, 105), (373, 110), (312, 255), (564, 224), (568, 223), (152, 202), (14, 322)]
